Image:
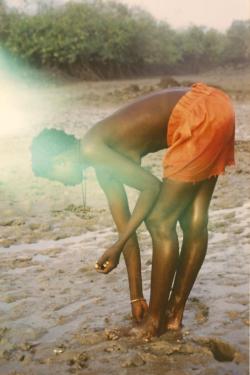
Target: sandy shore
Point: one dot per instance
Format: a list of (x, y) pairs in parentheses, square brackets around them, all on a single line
[(57, 315)]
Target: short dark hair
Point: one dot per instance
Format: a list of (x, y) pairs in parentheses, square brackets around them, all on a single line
[(45, 146)]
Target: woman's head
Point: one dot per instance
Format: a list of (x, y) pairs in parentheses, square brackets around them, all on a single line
[(56, 156)]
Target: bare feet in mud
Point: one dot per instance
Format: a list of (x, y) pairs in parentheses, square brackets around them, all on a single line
[(149, 327), (173, 325), (173, 321)]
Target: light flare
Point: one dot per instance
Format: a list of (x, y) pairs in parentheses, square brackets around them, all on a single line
[(21, 101)]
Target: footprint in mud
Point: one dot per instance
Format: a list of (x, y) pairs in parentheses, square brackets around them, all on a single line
[(90, 338), (87, 270), (202, 310), (3, 332), (14, 297), (52, 252), (221, 350), (22, 262)]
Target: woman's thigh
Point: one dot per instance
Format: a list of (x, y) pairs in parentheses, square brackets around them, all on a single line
[(174, 198), (195, 215)]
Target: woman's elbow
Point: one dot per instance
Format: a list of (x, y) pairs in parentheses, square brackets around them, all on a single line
[(88, 150), (155, 188)]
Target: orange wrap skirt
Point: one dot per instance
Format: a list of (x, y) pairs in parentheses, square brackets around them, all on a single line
[(200, 135)]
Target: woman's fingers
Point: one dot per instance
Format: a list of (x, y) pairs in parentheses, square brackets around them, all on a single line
[(108, 261), (104, 258), (103, 267), (103, 264)]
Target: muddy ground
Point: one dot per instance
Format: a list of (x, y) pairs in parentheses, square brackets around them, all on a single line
[(57, 315)]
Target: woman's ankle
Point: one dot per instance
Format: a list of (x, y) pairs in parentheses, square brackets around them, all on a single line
[(158, 321), (174, 318)]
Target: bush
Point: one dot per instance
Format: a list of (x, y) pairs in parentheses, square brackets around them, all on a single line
[(111, 40)]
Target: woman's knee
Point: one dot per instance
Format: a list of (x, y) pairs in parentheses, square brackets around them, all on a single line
[(194, 223), (159, 226)]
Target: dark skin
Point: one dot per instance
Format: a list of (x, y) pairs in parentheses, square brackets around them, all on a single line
[(114, 147)]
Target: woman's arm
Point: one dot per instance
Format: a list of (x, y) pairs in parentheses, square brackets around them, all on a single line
[(127, 172), (119, 208), (118, 204)]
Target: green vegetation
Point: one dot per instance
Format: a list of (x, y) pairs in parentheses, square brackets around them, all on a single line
[(107, 40)]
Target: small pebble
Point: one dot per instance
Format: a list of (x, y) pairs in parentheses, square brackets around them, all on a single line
[(59, 350)]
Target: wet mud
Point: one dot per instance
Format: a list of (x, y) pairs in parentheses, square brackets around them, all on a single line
[(58, 316)]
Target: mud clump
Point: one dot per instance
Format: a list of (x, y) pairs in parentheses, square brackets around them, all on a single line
[(81, 211), (131, 91), (112, 334), (187, 83), (167, 81), (133, 360), (79, 361), (221, 350), (202, 311), (134, 88)]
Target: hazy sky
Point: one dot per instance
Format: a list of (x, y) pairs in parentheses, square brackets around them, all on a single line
[(181, 13), (213, 13)]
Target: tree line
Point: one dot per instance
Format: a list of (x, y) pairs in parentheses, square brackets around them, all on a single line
[(109, 40)]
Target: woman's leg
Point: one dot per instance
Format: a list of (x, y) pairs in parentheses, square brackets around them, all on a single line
[(173, 200), (194, 225)]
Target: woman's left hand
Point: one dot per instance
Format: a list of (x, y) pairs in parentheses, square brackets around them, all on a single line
[(109, 260)]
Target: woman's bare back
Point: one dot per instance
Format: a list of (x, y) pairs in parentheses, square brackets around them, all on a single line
[(140, 127)]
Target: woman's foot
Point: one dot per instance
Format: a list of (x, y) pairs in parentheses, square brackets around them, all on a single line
[(150, 327), (174, 320)]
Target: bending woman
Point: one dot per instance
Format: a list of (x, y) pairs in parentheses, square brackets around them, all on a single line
[(196, 127)]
